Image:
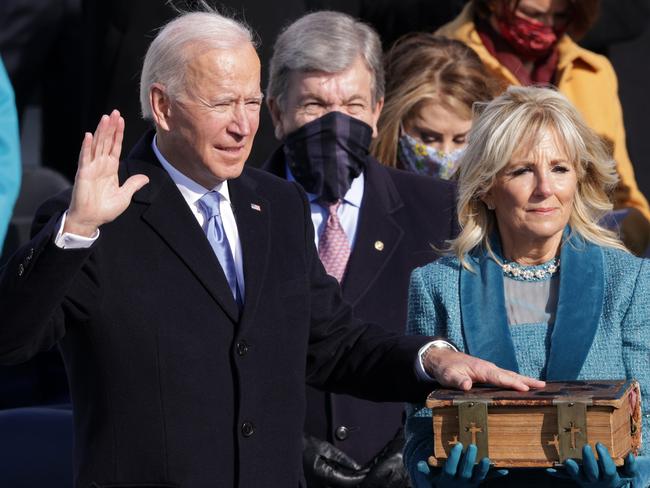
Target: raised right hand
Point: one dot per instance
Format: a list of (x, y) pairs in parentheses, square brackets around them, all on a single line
[(97, 197)]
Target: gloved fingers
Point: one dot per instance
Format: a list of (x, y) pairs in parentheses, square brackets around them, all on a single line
[(606, 463), (497, 473), (387, 473), (573, 470), (341, 458), (466, 467), (558, 474), (423, 467), (390, 479), (335, 476), (314, 447), (451, 466), (630, 466), (481, 471), (589, 464)]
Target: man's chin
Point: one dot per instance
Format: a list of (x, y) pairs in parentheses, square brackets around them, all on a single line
[(227, 171)]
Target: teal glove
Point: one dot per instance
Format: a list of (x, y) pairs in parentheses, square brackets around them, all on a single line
[(459, 470), (598, 474)]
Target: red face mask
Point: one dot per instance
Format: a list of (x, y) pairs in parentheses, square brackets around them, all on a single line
[(529, 38)]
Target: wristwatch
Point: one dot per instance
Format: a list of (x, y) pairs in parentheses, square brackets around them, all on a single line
[(442, 344), (436, 343)]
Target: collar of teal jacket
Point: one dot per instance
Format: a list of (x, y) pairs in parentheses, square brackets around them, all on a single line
[(580, 302)]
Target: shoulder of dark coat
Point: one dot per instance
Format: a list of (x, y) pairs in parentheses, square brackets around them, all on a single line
[(412, 185)]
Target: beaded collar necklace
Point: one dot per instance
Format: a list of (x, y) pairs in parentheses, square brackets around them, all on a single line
[(539, 272)]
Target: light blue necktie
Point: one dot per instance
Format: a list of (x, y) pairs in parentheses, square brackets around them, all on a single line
[(209, 205)]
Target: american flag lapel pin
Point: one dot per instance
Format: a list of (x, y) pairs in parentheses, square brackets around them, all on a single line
[(255, 206)]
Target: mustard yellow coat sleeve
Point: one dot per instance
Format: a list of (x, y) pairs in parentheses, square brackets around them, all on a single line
[(588, 80)]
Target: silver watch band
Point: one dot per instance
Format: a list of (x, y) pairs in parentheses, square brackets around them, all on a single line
[(442, 344)]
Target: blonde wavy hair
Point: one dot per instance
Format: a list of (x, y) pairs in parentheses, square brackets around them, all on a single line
[(421, 68), (517, 119)]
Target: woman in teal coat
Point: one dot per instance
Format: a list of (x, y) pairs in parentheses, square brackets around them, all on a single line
[(533, 283), (9, 153)]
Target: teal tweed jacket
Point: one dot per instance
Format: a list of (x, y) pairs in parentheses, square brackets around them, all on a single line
[(601, 330)]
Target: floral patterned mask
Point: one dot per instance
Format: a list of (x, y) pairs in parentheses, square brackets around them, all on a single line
[(425, 160)]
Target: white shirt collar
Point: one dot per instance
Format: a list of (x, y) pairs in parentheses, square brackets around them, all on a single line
[(353, 196), (190, 189)]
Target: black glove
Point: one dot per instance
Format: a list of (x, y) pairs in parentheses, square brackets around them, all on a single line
[(325, 466), (386, 469)]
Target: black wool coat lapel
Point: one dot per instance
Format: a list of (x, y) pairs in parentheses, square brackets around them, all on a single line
[(252, 213), (168, 214), (378, 234)]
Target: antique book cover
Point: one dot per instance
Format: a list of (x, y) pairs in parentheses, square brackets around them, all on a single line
[(538, 428)]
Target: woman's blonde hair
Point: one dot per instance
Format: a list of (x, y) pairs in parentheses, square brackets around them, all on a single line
[(517, 120), (420, 68)]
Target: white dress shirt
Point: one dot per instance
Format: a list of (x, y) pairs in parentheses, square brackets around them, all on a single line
[(192, 193)]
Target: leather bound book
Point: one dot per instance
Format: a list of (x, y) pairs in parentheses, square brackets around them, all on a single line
[(538, 428)]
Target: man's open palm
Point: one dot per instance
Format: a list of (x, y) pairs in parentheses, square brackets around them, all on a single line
[(97, 197)]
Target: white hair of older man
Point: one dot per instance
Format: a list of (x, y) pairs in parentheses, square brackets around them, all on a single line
[(324, 41), (169, 53)]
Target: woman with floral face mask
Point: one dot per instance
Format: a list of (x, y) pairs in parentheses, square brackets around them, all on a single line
[(431, 84), (526, 42)]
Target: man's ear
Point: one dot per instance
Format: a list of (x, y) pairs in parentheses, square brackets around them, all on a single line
[(376, 112), (276, 116), (160, 105)]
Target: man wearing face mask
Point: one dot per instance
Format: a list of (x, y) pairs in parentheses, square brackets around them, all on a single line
[(525, 42), (373, 224)]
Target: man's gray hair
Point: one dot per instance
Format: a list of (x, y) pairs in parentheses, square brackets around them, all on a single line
[(324, 41), (169, 53)]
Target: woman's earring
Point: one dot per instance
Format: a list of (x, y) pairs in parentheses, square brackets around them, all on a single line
[(489, 206)]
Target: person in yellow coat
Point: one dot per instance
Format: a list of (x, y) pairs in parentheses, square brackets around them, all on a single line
[(525, 42)]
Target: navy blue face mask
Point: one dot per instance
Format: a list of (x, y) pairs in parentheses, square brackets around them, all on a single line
[(326, 154)]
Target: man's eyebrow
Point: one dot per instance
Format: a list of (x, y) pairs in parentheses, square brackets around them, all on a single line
[(354, 98), (310, 96), (229, 98), (223, 99)]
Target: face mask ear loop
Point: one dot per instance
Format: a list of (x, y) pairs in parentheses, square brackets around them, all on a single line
[(403, 133)]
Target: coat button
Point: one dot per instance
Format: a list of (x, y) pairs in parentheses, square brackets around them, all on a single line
[(242, 348), (247, 429), (342, 432)]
